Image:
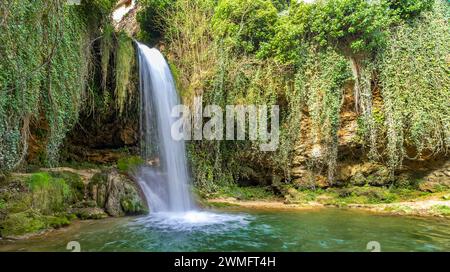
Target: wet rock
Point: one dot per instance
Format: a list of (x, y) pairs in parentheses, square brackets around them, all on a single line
[(362, 174), (117, 194), (433, 186), (90, 213)]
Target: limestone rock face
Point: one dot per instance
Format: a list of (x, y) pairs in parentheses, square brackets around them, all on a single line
[(353, 168), (437, 179), (117, 194)]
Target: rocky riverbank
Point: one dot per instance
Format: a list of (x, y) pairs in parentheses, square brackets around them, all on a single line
[(53, 198), (432, 207), (424, 200)]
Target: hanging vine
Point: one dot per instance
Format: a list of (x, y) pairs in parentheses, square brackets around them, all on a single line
[(414, 75), (320, 84), (45, 49)]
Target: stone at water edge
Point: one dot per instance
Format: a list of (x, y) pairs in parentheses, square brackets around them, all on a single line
[(117, 194)]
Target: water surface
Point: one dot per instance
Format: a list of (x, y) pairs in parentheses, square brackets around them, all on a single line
[(248, 230)]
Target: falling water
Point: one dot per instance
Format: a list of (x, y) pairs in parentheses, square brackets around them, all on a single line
[(167, 186)]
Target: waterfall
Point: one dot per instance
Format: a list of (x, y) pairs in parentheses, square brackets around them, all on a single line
[(166, 187)]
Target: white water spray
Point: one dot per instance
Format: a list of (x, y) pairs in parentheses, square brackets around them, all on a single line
[(166, 188)]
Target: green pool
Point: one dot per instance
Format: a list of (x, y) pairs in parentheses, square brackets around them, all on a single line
[(248, 230)]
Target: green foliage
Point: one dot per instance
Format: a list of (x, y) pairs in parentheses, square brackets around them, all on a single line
[(75, 183), (17, 224), (189, 40), (287, 44), (48, 194), (407, 9), (247, 52), (46, 76), (128, 164), (125, 60), (414, 75), (151, 18), (106, 49), (320, 84), (132, 205), (34, 203), (57, 222), (21, 223), (281, 5), (245, 193), (244, 25), (354, 26), (96, 12), (441, 210)]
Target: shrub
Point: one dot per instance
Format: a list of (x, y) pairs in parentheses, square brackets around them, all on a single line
[(152, 20), (21, 223), (128, 164), (244, 25), (49, 194)]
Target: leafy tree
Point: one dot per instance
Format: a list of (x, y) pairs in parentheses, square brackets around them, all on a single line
[(281, 4), (151, 18), (407, 9), (244, 25)]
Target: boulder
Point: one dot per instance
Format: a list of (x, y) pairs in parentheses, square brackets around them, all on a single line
[(90, 213), (117, 194)]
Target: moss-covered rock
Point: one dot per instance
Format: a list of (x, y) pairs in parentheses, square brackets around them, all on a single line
[(117, 194), (90, 213), (98, 188), (132, 204), (434, 186), (49, 194), (365, 194), (75, 183), (57, 222), (34, 202), (18, 224)]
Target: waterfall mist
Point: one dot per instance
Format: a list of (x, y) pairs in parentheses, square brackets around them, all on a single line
[(166, 187)]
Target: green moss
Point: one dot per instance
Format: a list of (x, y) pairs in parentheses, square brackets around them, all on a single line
[(132, 206), (75, 182), (49, 194), (441, 210), (90, 213), (81, 165), (220, 205), (363, 195), (405, 194), (22, 223), (245, 193), (128, 164), (18, 202), (99, 178), (125, 60), (97, 188), (57, 222), (399, 209)]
